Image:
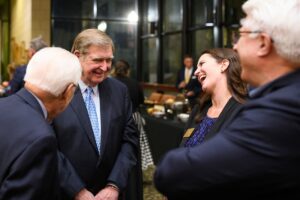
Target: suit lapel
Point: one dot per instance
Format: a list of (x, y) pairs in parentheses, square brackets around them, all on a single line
[(79, 108), (105, 109)]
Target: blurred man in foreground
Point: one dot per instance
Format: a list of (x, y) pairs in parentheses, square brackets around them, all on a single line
[(258, 155)]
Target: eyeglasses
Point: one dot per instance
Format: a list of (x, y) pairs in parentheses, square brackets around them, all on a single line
[(237, 34)]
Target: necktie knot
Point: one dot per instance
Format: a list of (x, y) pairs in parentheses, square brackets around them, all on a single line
[(89, 91)]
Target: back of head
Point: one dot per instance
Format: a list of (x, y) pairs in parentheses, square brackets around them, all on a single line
[(279, 19), (121, 68), (38, 43), (235, 84), (52, 69), (89, 37)]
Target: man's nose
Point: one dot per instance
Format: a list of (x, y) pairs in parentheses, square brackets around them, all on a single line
[(105, 66)]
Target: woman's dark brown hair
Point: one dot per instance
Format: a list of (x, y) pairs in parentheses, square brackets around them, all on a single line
[(121, 68)]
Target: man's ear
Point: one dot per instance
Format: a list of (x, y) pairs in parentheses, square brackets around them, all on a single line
[(265, 45), (77, 53), (69, 91)]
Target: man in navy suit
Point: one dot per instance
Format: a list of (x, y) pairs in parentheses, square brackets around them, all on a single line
[(187, 82), (258, 155), (17, 82), (28, 149), (104, 156)]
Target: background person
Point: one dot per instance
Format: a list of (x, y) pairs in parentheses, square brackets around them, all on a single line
[(28, 149), (257, 156), (136, 93), (17, 82), (187, 82), (96, 133)]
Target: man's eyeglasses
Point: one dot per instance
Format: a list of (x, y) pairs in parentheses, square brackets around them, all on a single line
[(237, 34)]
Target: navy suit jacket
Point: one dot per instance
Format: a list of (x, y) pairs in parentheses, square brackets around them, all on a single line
[(28, 150), (119, 140), (17, 81), (257, 156)]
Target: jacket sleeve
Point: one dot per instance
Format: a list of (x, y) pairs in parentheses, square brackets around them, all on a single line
[(69, 180), (127, 157), (246, 148)]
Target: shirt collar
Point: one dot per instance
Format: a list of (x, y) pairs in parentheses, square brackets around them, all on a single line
[(41, 104), (83, 87)]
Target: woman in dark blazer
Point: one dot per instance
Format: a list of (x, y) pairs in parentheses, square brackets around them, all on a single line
[(218, 71)]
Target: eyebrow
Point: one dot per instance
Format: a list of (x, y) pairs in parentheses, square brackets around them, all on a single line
[(102, 58)]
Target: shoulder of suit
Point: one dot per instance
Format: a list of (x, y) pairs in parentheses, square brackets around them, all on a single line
[(115, 83)]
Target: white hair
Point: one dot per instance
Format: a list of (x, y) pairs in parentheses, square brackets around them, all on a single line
[(278, 18), (52, 69)]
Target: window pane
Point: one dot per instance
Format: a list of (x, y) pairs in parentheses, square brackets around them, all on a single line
[(171, 58), (117, 9), (104, 9), (202, 12), (228, 36), (233, 11), (72, 8), (150, 15), (172, 15), (202, 40), (149, 67)]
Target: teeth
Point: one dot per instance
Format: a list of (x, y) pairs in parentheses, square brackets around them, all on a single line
[(202, 77)]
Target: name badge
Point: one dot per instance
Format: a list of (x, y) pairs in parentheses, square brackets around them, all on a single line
[(188, 132)]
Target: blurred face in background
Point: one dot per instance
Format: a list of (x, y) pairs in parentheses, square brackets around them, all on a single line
[(30, 53), (96, 64), (188, 62)]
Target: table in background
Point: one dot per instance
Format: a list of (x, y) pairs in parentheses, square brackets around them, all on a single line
[(163, 135)]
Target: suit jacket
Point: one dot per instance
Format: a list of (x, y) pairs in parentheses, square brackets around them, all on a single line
[(28, 150), (135, 91), (230, 109), (17, 82), (119, 140), (193, 84), (257, 156)]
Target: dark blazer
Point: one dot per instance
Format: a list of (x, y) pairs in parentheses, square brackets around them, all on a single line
[(135, 91), (17, 81), (193, 84), (119, 140), (28, 150), (256, 157), (230, 109)]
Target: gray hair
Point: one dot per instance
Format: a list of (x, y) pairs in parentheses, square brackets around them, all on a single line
[(89, 37), (38, 43), (52, 69), (279, 19)]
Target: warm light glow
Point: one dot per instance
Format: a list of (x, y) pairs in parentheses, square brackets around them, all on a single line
[(132, 17), (102, 26)]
